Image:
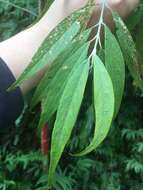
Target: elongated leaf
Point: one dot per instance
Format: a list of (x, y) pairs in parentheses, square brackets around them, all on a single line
[(81, 16), (56, 86), (115, 66), (43, 86), (67, 114), (103, 103), (129, 50), (51, 55)]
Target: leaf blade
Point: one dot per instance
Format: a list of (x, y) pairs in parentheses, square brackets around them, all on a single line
[(115, 66), (41, 90), (81, 16), (49, 56), (56, 87), (67, 114), (129, 49), (103, 104)]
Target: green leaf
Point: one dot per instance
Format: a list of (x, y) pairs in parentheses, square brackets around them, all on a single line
[(103, 104), (48, 50), (56, 86), (55, 50), (43, 86), (129, 50), (67, 114), (115, 66)]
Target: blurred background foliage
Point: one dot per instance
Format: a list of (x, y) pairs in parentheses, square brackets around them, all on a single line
[(116, 165)]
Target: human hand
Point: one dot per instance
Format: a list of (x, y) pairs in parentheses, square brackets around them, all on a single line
[(60, 9), (22, 47), (124, 7)]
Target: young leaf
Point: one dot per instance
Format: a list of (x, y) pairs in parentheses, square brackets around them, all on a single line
[(67, 114), (115, 66), (103, 103), (56, 86), (129, 50), (56, 49)]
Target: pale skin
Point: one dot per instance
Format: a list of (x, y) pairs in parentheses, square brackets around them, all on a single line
[(19, 49)]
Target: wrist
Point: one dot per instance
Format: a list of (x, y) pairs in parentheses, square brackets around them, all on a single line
[(58, 11)]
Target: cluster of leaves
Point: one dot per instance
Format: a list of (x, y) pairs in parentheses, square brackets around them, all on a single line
[(104, 106), (59, 92), (116, 164)]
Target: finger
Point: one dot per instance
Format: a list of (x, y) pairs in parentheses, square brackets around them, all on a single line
[(123, 7)]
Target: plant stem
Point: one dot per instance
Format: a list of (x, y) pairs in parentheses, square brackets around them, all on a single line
[(98, 34)]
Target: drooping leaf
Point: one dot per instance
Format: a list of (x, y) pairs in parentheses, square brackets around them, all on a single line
[(43, 86), (103, 104), (115, 66), (55, 50), (48, 50), (129, 50), (56, 86), (67, 114)]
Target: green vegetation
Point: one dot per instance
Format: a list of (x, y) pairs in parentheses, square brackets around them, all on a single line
[(115, 164)]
